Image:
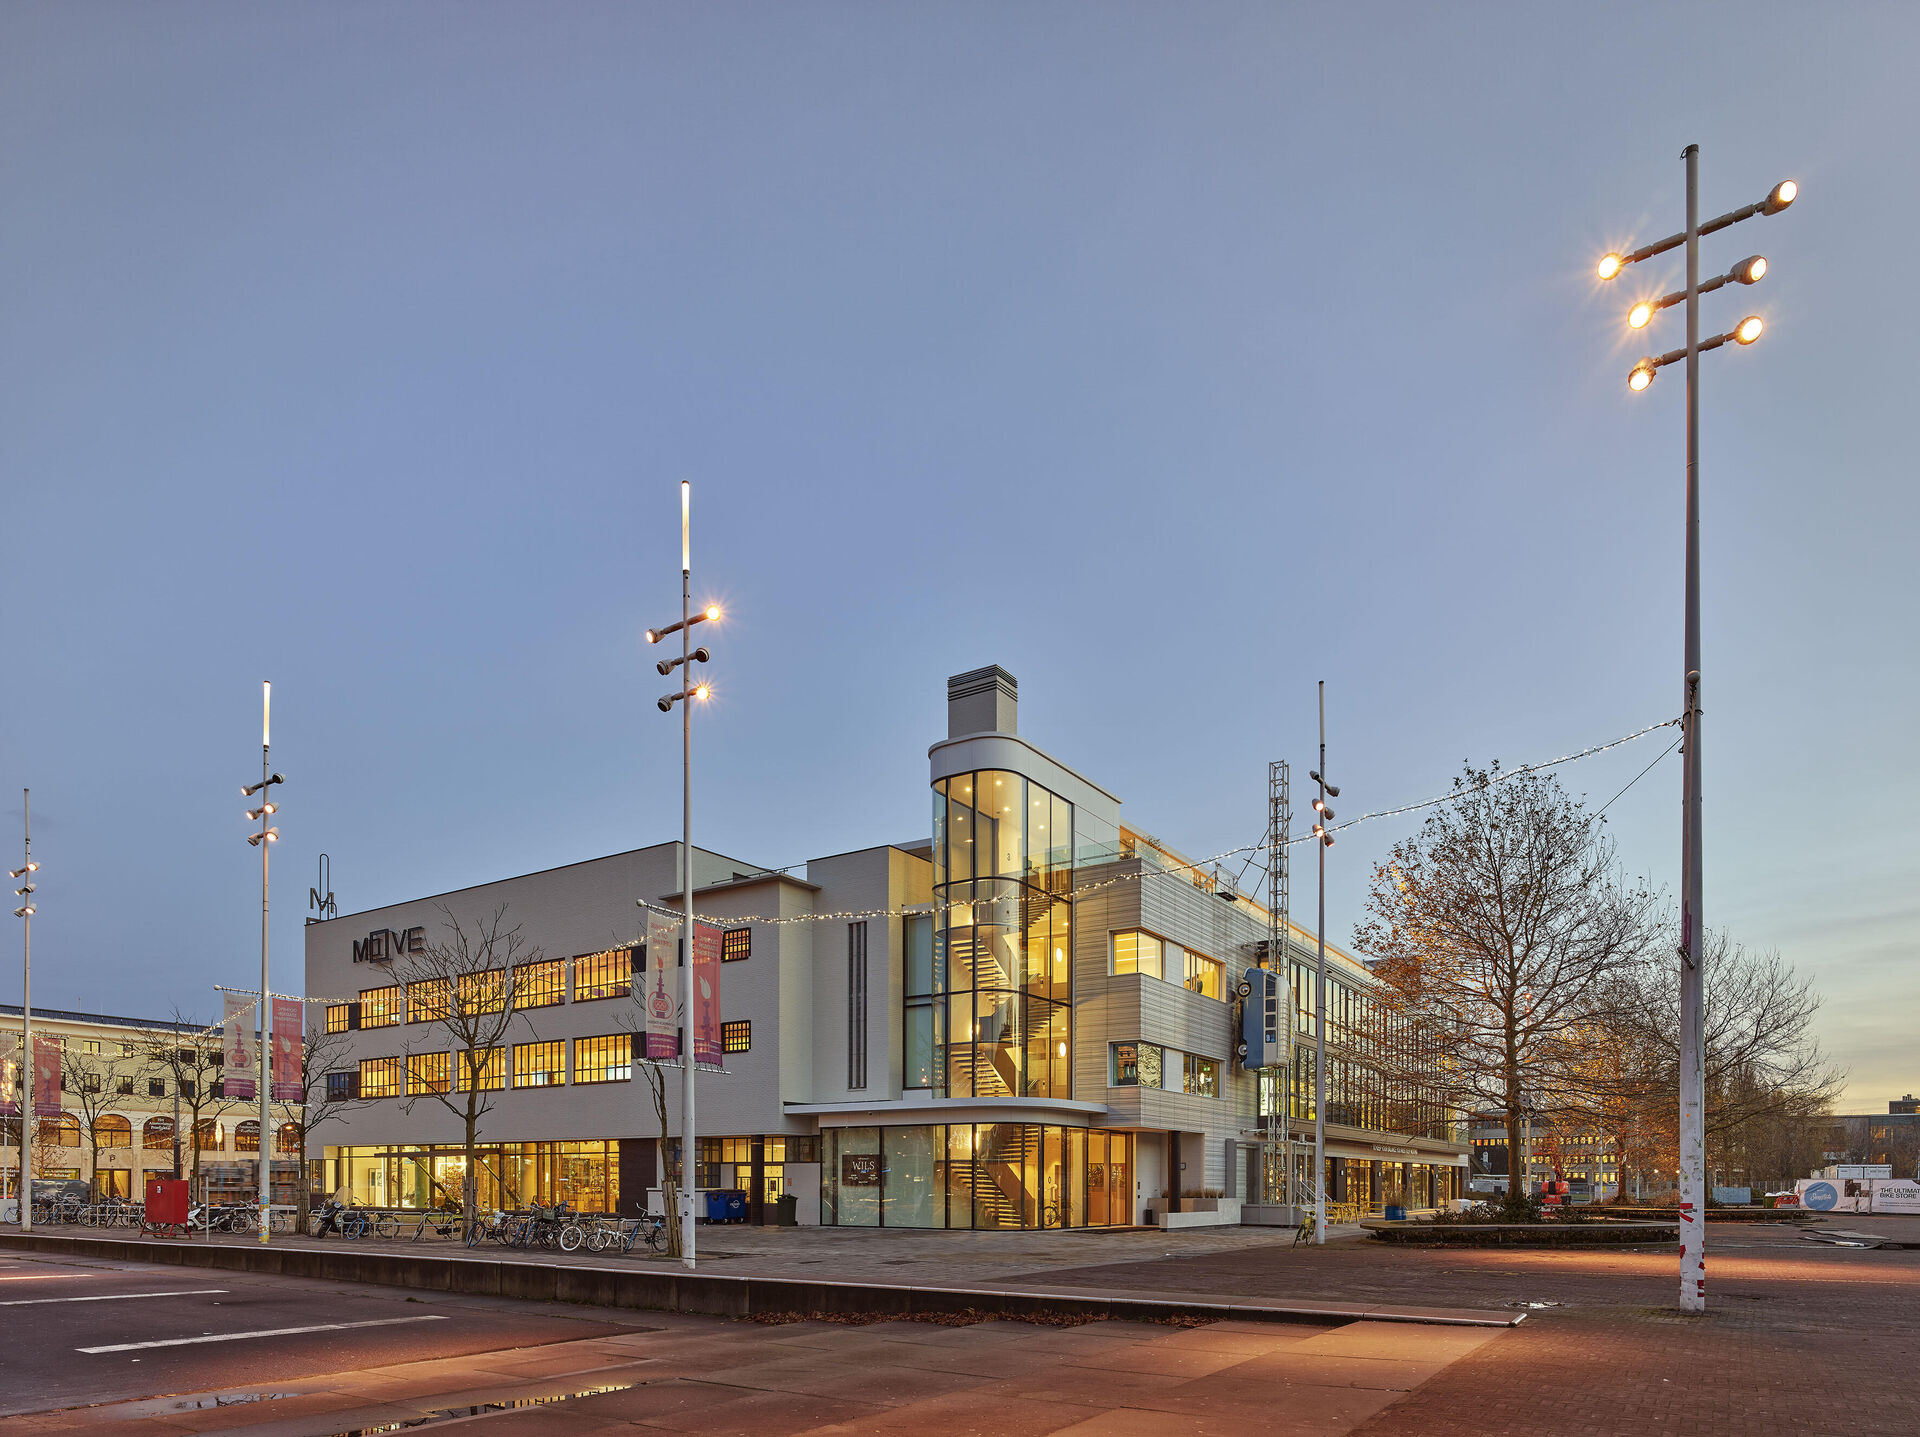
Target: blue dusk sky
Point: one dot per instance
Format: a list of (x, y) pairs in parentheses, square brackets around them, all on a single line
[(1172, 356)]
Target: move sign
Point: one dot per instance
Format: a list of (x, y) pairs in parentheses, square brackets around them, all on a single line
[(383, 945)]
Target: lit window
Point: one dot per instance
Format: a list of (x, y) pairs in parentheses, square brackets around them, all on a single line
[(483, 992), (736, 1037), (492, 1068), (427, 1073), (607, 974), (1136, 953), (381, 1007), (607, 1059), (1204, 976), (1202, 1077), (541, 985), (735, 944), (429, 999), (337, 1017), (539, 1065), (381, 1077)]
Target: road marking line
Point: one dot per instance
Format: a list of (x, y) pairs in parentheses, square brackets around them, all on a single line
[(270, 1332), (110, 1297)]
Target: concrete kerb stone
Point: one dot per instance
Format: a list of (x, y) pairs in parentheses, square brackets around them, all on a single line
[(715, 1295)]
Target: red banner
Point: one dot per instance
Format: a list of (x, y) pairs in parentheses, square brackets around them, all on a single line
[(288, 1017), (661, 1005), (707, 1048), (46, 1076)]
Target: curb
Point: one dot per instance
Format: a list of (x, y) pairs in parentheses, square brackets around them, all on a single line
[(715, 1295)]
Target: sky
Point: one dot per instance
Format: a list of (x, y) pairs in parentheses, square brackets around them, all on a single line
[(1174, 357)]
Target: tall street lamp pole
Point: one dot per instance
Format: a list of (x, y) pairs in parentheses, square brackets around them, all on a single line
[(1693, 1080), (1322, 817), (689, 1159), (263, 840), (24, 1184)]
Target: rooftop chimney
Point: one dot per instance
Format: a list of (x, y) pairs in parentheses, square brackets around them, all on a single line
[(983, 701)]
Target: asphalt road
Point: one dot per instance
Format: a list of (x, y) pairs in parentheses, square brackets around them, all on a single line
[(75, 1332)]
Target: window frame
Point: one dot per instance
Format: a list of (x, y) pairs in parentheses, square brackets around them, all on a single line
[(607, 962), (383, 1007), (609, 1072), (558, 1071), (732, 938), (389, 1075), (736, 1028)]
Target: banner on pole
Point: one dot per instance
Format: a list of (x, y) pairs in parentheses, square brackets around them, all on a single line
[(46, 1076), (240, 1066), (707, 1048), (656, 997), (12, 1075), (289, 1015)]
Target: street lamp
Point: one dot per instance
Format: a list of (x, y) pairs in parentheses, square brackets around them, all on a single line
[(1322, 818), (23, 1185), (264, 839), (689, 1161), (1693, 1196)]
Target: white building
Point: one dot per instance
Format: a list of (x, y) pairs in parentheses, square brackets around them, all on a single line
[(1033, 1025)]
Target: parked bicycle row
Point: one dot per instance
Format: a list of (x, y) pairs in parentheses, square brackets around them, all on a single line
[(557, 1228)]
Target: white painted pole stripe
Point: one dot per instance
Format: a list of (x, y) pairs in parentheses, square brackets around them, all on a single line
[(271, 1332), (111, 1297)]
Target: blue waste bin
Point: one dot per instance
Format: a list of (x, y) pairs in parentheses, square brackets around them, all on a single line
[(1396, 1213), (736, 1205), (716, 1205)]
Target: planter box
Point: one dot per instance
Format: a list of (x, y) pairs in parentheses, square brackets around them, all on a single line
[(1522, 1234), (1174, 1220), (1230, 1206)]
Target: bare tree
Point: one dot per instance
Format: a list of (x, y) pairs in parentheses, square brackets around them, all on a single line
[(191, 1066), (92, 1080), (654, 1073), (318, 1102), (464, 991), (1496, 930)]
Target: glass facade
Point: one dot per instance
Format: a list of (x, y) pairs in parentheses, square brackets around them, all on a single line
[(989, 979), (511, 1175), (976, 1175)]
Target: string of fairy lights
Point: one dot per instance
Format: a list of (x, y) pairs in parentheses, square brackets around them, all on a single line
[(915, 910)]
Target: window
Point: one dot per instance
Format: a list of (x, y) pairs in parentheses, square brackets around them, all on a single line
[(856, 1005), (113, 1131), (126, 1050), (156, 1134), (188, 1088), (60, 1132), (340, 1087), (379, 1007), (541, 985), (381, 1077), (156, 1088), (246, 1137), (607, 1059), (429, 999), (1205, 976), (735, 944), (484, 992), (607, 974), (1202, 1076), (539, 1065), (428, 1073), (736, 1037), (124, 1087), (92, 1082), (1136, 1065), (1136, 953), (492, 1066), (91, 1045), (337, 1017)]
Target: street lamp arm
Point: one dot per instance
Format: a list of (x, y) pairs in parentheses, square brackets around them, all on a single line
[(1778, 198)]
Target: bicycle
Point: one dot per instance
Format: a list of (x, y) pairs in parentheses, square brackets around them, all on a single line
[(1304, 1232), (498, 1228), (650, 1229)]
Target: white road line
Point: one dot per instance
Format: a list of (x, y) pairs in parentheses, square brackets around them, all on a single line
[(111, 1297), (270, 1332)]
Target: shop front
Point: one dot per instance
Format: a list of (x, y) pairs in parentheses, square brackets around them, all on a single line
[(977, 1175), (511, 1176)]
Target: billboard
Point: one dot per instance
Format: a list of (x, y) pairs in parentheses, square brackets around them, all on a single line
[(239, 1074), (12, 1074), (1896, 1195), (656, 997), (288, 1040)]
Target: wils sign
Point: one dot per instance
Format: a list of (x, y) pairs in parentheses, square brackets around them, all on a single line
[(383, 945)]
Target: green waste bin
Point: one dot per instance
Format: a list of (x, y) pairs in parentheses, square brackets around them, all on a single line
[(783, 1210)]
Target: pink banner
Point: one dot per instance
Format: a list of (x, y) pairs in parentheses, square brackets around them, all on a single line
[(10, 1074), (658, 996), (289, 1016), (707, 1048), (240, 1071), (46, 1076)]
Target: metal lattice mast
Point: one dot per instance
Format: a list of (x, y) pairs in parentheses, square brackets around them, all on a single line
[(1279, 828)]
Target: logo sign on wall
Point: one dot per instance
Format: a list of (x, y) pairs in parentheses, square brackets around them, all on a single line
[(239, 1077), (383, 945), (288, 1015), (1821, 1197), (662, 1011), (860, 1170)]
